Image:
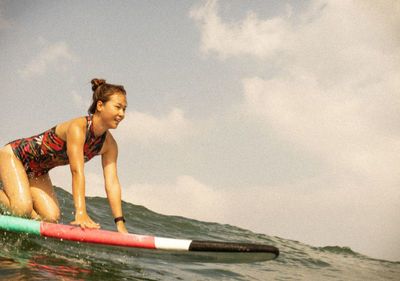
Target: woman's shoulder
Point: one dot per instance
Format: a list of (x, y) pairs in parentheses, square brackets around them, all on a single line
[(76, 123), (80, 121)]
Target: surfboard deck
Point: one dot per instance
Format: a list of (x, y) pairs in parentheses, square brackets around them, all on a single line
[(105, 237)]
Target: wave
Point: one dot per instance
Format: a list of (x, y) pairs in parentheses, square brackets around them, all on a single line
[(27, 257), (339, 250)]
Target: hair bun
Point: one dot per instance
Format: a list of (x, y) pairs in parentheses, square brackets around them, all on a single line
[(97, 83)]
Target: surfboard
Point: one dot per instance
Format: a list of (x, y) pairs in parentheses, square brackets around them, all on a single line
[(97, 236)]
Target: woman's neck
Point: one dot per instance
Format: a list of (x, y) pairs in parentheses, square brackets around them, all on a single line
[(99, 127)]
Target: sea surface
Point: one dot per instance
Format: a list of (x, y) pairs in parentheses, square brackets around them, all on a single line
[(30, 257)]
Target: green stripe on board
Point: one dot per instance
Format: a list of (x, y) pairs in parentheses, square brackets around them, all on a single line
[(20, 224)]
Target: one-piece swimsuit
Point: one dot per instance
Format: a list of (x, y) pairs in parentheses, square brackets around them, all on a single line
[(45, 151)]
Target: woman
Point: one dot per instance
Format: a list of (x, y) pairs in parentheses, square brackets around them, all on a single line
[(24, 163)]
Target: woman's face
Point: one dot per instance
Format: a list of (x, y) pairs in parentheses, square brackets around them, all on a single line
[(113, 111)]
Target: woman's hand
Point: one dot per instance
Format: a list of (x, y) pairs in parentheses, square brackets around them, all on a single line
[(121, 227), (83, 220)]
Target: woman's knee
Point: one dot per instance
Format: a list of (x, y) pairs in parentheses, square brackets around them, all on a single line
[(44, 198), (21, 207), (51, 215)]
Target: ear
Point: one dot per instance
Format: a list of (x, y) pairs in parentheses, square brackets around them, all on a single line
[(99, 106)]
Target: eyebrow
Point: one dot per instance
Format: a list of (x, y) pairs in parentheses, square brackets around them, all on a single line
[(123, 105)]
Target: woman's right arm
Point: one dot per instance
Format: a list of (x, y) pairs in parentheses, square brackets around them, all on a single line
[(75, 141)]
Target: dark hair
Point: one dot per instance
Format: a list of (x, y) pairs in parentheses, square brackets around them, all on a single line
[(102, 91)]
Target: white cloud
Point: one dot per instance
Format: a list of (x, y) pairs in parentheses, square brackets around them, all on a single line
[(346, 22), (94, 182), (347, 43), (54, 56), (95, 185), (146, 128), (187, 197), (335, 95), (341, 129), (252, 36)]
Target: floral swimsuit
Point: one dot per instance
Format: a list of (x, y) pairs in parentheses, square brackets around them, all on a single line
[(45, 151)]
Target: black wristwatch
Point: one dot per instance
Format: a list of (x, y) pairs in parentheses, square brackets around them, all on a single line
[(119, 219)]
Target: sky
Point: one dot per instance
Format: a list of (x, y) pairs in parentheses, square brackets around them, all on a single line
[(281, 117)]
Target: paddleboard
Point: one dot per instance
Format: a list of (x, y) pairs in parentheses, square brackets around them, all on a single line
[(88, 235)]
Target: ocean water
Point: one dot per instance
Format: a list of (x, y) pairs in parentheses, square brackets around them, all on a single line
[(29, 257)]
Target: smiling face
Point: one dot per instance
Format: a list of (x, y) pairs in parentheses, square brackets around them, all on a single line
[(112, 112)]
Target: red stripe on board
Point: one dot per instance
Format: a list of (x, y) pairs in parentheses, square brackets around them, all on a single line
[(96, 236)]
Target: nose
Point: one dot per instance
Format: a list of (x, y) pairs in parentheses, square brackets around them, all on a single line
[(122, 113)]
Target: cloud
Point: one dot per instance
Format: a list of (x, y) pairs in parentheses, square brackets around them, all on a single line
[(261, 38), (95, 185), (335, 95), (278, 36), (54, 56), (187, 197), (336, 89), (340, 129), (146, 128)]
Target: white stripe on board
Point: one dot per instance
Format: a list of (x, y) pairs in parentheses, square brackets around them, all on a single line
[(171, 244)]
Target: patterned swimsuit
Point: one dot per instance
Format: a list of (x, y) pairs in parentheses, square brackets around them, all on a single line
[(45, 151)]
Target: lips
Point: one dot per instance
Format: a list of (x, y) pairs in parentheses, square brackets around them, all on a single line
[(117, 121)]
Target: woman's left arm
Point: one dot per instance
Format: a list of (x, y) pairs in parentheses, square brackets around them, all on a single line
[(113, 188)]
